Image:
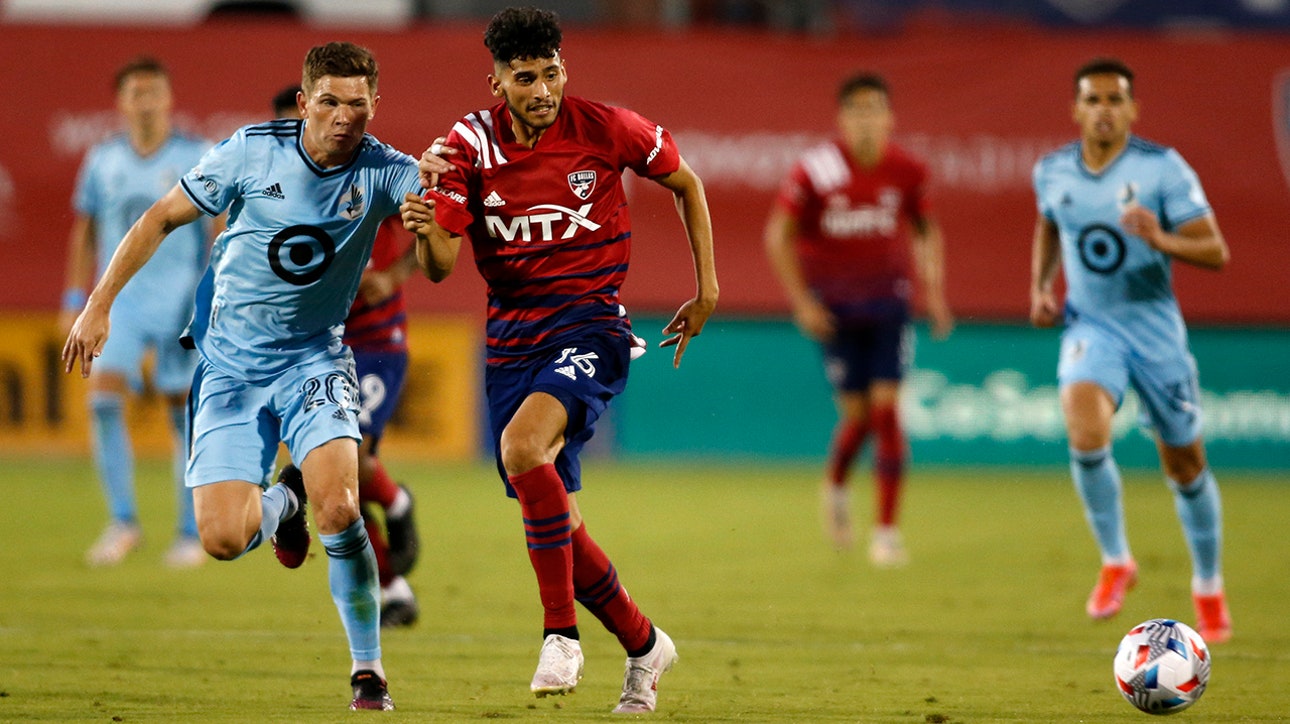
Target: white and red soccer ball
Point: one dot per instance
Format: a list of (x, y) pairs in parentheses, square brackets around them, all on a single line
[(1162, 666)]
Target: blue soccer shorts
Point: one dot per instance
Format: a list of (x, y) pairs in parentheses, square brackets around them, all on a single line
[(584, 376), (235, 426), (380, 382), (861, 353), (1168, 389), (131, 338)]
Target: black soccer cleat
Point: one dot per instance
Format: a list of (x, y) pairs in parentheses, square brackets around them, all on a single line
[(405, 542), (397, 614), (291, 541), (370, 692)]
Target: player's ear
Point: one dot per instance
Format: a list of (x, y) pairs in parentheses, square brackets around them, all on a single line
[(494, 85), (375, 100)]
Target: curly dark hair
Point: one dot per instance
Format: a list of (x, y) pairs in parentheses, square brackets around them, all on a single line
[(523, 34)]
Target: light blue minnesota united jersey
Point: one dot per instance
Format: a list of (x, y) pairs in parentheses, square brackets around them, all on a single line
[(114, 187), (285, 271), (1114, 279)]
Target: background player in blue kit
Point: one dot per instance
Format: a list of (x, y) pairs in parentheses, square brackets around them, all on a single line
[(119, 179), (1114, 211), (306, 198)]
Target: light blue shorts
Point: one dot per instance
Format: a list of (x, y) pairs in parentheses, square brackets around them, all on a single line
[(1169, 391), (131, 338), (235, 426)]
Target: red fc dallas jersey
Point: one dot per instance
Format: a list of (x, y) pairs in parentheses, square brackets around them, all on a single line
[(852, 224), (382, 327), (549, 225)]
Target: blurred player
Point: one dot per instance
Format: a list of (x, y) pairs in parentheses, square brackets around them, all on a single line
[(308, 197), (537, 189), (1114, 211), (837, 239), (120, 178), (376, 330)]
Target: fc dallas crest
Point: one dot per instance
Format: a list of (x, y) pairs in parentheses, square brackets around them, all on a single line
[(582, 183)]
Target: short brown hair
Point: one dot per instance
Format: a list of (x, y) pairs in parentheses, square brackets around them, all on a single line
[(340, 59), (143, 64)]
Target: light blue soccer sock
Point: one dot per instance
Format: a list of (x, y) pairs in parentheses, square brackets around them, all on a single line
[(113, 456), (1200, 510), (355, 589), (276, 505), (1097, 479), (186, 523)]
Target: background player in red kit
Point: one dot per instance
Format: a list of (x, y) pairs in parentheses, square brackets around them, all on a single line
[(837, 239), (376, 329), (537, 189)]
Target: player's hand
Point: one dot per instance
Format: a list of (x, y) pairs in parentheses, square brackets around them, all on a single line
[(1044, 309), (1143, 224), (377, 285), (86, 340), (815, 320), (434, 163), (417, 214), (687, 323)]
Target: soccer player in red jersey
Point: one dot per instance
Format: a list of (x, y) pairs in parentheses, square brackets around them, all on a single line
[(376, 329), (537, 190), (839, 238)]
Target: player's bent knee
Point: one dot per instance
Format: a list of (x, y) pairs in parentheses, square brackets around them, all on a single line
[(222, 547), (520, 455), (335, 513)]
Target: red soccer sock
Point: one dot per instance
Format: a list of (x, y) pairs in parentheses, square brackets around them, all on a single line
[(889, 462), (596, 583), (378, 488), (847, 441), (380, 548), (545, 507)]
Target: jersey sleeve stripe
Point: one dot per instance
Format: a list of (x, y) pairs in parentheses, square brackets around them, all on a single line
[(490, 133)]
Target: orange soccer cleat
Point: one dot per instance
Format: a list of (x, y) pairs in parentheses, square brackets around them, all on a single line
[(1213, 622), (1108, 595)]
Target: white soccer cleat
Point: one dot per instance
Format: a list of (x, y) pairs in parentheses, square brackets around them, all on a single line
[(640, 683), (116, 542), (559, 666), (185, 553), (835, 507), (886, 549)]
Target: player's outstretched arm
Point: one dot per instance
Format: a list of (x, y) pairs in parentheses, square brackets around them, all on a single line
[(1045, 259), (1197, 242), (436, 248), (692, 205), (90, 331)]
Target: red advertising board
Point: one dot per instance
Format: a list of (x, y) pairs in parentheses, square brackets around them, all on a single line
[(979, 103)]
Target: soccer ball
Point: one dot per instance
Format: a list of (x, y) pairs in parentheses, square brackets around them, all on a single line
[(1162, 666)]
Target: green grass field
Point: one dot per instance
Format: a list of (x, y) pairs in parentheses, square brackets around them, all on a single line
[(985, 625)]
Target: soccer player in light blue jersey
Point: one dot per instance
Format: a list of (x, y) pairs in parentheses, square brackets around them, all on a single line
[(1114, 212), (305, 198), (119, 179)]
